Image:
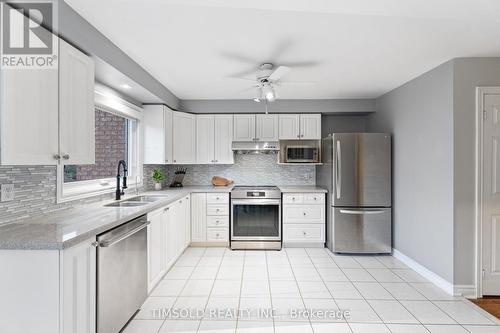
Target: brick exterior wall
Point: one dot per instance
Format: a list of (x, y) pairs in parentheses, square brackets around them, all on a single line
[(110, 147)]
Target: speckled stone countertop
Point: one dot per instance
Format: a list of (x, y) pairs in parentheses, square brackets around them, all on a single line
[(299, 189), (60, 230)]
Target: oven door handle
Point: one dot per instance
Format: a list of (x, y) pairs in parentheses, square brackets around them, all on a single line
[(235, 202)]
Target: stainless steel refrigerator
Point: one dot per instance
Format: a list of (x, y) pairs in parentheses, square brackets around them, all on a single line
[(357, 172)]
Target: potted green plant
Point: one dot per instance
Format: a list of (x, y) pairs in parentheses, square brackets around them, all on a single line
[(157, 178)]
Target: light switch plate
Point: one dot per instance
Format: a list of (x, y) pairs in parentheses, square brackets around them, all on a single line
[(7, 191)]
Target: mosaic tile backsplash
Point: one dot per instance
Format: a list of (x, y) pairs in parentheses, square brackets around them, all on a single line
[(35, 186), (250, 170)]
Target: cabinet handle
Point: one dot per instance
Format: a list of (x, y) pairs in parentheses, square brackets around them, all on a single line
[(180, 201), (94, 244), (166, 161), (56, 156), (298, 135), (304, 233), (175, 161), (217, 222), (315, 198), (217, 235), (217, 210), (304, 213), (187, 198), (65, 156), (217, 198), (293, 199), (166, 209)]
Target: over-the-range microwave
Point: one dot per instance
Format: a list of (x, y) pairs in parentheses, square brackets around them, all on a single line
[(300, 151)]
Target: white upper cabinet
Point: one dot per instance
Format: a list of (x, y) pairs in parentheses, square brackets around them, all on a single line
[(184, 138), (205, 139), (300, 126), (244, 127), (223, 139), (76, 106), (289, 126), (310, 126), (214, 135), (47, 116), (157, 125), (267, 127)]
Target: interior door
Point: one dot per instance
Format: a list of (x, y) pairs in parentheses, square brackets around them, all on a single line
[(362, 170), (491, 196)]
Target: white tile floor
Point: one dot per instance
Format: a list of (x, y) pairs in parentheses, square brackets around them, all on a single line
[(380, 293)]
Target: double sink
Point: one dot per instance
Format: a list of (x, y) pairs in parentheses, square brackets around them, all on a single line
[(140, 200)]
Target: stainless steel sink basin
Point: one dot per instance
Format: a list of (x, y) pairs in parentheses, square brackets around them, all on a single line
[(140, 200), (145, 198), (126, 204)]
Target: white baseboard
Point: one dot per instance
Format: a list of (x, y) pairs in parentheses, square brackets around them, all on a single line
[(465, 290), (425, 272)]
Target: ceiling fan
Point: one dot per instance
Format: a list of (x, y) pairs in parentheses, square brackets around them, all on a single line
[(268, 76)]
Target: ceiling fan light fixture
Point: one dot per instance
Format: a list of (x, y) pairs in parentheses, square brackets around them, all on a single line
[(268, 92)]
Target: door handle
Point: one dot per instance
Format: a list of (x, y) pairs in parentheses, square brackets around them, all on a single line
[(119, 238), (361, 212), (338, 170)]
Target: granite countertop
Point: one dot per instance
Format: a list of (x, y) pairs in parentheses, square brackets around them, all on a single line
[(66, 228), (63, 229), (299, 189)]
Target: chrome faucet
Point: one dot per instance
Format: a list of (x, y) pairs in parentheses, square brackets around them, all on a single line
[(120, 192)]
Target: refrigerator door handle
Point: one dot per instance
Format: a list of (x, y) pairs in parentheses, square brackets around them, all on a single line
[(361, 212), (338, 170)]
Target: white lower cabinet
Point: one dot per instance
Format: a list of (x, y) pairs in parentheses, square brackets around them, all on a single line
[(78, 276), (168, 237), (304, 219), (210, 219)]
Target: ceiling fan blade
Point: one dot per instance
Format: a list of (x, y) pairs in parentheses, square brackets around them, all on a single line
[(302, 64), (280, 83), (279, 73), (239, 78)]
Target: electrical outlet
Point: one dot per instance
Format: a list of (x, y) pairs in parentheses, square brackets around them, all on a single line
[(307, 176), (7, 191)]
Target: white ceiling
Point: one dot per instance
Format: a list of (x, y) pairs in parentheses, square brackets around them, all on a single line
[(357, 48)]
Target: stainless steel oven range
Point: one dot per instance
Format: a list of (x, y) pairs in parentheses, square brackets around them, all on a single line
[(256, 217)]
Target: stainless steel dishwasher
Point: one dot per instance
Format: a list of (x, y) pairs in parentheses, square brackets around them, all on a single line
[(121, 274)]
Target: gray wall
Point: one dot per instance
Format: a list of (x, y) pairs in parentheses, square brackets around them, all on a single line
[(420, 116), (469, 74), (342, 106), (343, 124)]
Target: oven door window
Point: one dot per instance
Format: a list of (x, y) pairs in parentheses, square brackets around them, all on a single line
[(256, 221)]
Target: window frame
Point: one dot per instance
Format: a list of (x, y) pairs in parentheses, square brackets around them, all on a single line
[(113, 104)]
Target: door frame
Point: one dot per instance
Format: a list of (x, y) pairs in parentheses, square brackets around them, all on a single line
[(481, 92)]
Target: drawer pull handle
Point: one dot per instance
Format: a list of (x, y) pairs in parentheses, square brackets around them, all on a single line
[(315, 198), (217, 222), (217, 198), (304, 213), (216, 235), (217, 210), (305, 233), (293, 199)]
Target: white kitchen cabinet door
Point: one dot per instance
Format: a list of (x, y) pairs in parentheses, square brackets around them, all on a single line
[(186, 222), (78, 288), (310, 126), (244, 127), (157, 127), (289, 126), (267, 127), (168, 116), (223, 139), (29, 117), (169, 219), (198, 217), (184, 138), (205, 139), (76, 106), (154, 134), (156, 247)]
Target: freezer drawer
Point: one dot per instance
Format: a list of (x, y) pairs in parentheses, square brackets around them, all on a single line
[(362, 230)]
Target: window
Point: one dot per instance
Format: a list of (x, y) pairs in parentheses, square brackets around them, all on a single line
[(111, 146), (117, 125)]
